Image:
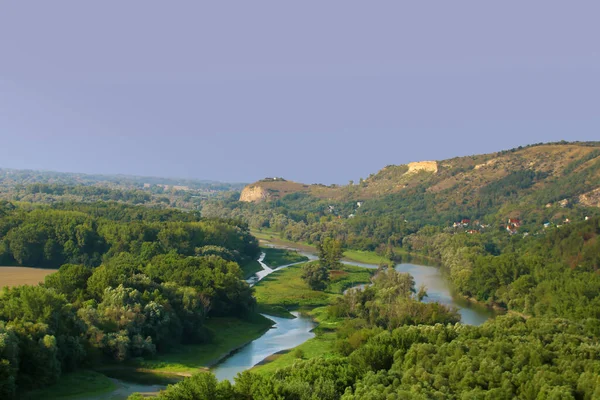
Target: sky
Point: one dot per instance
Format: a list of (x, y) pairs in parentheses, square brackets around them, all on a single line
[(312, 91)]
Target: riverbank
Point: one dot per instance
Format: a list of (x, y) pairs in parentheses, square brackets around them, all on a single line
[(229, 335), (322, 345), (271, 238), (370, 257)]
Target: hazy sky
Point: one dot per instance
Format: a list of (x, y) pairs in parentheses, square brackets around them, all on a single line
[(314, 91)]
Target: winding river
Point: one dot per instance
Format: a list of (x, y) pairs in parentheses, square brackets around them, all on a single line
[(289, 333), (438, 288)]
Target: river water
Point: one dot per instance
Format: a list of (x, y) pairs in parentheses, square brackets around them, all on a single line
[(438, 289), (285, 334)]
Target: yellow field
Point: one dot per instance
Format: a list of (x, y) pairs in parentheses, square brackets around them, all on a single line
[(14, 276)]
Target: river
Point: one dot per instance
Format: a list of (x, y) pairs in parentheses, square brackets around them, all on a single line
[(438, 288), (285, 334), (289, 333)]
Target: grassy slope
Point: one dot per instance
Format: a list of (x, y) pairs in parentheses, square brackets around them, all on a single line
[(319, 346), (75, 385), (277, 257)]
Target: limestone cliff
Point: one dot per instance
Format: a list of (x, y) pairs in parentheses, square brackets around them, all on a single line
[(430, 166), (254, 194), (591, 199)]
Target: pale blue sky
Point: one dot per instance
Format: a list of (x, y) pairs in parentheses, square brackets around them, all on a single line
[(314, 91)]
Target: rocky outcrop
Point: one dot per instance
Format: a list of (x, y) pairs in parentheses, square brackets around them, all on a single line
[(591, 199), (430, 166), (254, 194)]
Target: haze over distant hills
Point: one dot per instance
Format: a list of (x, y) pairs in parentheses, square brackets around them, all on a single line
[(10, 176)]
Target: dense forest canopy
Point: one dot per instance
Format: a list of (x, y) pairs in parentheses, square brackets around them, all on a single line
[(132, 282), (391, 346)]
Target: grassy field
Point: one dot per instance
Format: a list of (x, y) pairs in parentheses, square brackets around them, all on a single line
[(228, 333), (277, 257), (285, 290), (73, 386), (15, 276)]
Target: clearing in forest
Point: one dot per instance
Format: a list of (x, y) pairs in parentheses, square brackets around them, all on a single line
[(15, 276)]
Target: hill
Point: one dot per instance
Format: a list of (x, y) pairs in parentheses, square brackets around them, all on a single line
[(540, 175), (532, 167)]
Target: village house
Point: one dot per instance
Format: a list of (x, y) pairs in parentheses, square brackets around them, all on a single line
[(513, 225), (514, 222)]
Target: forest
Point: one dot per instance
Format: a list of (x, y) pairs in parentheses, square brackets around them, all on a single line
[(132, 282), (392, 346)]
